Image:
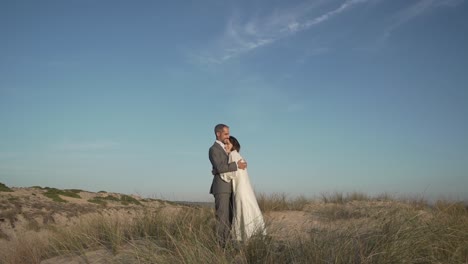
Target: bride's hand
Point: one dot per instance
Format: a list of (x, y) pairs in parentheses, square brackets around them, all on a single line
[(241, 164)]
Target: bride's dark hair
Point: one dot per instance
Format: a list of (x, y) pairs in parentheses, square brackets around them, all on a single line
[(235, 143)]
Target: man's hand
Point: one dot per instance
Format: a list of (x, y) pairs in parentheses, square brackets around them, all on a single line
[(241, 164)]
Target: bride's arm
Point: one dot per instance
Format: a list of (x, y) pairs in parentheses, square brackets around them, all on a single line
[(234, 156), (228, 176)]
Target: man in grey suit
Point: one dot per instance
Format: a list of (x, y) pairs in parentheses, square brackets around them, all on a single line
[(221, 190)]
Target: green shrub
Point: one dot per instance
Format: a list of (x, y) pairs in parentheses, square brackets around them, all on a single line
[(4, 188), (74, 190), (109, 198), (54, 194), (98, 200), (126, 199)]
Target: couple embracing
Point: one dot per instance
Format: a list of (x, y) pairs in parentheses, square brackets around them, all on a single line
[(235, 202)]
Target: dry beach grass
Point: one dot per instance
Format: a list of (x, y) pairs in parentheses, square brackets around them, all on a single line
[(46, 225)]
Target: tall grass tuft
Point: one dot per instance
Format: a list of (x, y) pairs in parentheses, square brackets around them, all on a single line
[(27, 248), (348, 229), (281, 202), (340, 198)]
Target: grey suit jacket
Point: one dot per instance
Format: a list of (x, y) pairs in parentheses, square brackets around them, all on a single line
[(219, 160)]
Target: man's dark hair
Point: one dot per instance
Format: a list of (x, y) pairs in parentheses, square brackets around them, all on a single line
[(219, 128), (235, 143)]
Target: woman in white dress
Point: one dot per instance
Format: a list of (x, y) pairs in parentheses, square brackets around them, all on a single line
[(248, 219)]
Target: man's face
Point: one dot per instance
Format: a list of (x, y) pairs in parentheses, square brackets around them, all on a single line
[(223, 135), (227, 145)]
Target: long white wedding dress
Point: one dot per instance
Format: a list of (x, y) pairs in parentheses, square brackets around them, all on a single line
[(248, 219)]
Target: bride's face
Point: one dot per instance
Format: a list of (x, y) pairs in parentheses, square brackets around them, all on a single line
[(228, 145)]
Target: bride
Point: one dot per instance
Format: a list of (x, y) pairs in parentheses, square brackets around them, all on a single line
[(248, 219)]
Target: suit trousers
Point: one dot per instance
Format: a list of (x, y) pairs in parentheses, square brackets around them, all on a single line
[(224, 203)]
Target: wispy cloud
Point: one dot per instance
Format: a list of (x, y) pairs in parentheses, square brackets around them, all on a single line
[(413, 11), (245, 34), (242, 36)]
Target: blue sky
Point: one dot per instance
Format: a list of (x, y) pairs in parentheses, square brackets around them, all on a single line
[(323, 95)]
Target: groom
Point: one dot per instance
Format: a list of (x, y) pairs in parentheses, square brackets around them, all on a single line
[(221, 190)]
